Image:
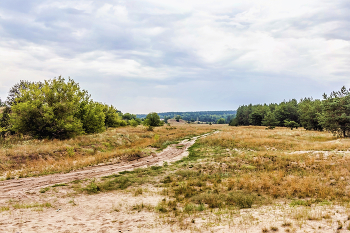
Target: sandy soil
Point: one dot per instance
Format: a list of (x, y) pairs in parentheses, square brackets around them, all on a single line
[(122, 211), (19, 187)]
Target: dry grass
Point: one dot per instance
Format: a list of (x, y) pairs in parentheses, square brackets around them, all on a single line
[(24, 158)]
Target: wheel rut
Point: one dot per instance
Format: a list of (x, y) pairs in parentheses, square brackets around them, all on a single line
[(19, 187)]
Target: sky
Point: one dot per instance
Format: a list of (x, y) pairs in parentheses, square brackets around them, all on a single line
[(157, 55)]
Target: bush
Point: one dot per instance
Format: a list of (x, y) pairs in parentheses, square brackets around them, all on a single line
[(57, 109), (153, 120), (48, 111)]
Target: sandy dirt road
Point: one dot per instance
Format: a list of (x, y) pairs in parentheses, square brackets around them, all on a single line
[(18, 187)]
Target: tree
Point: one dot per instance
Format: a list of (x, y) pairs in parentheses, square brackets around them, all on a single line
[(92, 117), (113, 119), (233, 122), (309, 110), (48, 110), (270, 120), (221, 121), (291, 124), (153, 120), (133, 123), (16, 90), (177, 118), (335, 116)]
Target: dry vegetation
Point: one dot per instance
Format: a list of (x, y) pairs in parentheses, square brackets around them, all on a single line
[(246, 178), (245, 167), (22, 158)]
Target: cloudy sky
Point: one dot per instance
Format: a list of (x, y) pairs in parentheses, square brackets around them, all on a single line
[(183, 55)]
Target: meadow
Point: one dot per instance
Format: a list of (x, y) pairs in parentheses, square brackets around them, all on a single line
[(25, 157), (233, 177)]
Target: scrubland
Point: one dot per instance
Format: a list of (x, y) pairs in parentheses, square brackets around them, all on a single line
[(23, 157), (240, 179)]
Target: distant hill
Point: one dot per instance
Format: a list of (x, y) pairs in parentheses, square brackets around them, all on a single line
[(203, 116)]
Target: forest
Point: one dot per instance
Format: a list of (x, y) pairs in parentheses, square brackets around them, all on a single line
[(331, 114)]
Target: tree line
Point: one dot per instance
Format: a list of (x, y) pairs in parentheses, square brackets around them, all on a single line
[(331, 114), (220, 117)]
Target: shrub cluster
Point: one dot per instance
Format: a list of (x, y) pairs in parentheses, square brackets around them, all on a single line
[(55, 109)]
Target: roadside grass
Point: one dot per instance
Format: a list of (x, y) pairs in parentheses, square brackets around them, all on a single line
[(13, 205), (24, 157), (244, 167)]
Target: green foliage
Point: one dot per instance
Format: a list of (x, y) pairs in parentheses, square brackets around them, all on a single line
[(153, 120), (113, 119), (92, 117), (48, 111), (133, 123), (56, 109), (221, 121), (201, 116), (335, 116), (309, 110), (177, 118), (291, 124), (270, 120)]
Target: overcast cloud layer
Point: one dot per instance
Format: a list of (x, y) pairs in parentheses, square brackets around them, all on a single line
[(157, 55)]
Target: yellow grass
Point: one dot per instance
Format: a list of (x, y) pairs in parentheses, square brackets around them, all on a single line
[(36, 157)]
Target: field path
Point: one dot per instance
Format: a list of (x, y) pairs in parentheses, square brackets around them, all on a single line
[(19, 187)]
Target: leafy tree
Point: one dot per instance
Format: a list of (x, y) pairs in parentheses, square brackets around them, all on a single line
[(309, 111), (270, 120), (221, 121), (113, 119), (335, 116), (177, 118), (133, 123), (16, 90), (5, 125), (153, 120), (234, 122), (48, 110), (291, 124), (92, 117)]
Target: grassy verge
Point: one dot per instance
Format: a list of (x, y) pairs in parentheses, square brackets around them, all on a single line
[(42, 157)]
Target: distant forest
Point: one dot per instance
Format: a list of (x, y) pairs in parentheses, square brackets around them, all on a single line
[(203, 116), (331, 114)]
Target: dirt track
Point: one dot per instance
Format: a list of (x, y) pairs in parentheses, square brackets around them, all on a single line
[(17, 188)]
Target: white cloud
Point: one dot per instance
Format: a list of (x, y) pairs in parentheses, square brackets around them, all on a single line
[(163, 44)]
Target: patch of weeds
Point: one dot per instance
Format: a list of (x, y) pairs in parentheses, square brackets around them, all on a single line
[(264, 230), (44, 190), (161, 208), (286, 224), (76, 181), (31, 205), (59, 185), (308, 202), (73, 202), (274, 228), (4, 208), (138, 192), (142, 206), (92, 187)]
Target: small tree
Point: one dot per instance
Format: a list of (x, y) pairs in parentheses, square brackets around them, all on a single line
[(177, 118), (291, 124), (270, 120), (221, 121), (152, 120), (133, 123)]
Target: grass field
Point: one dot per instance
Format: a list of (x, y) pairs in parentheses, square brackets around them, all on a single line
[(245, 167), (233, 177), (24, 157)]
